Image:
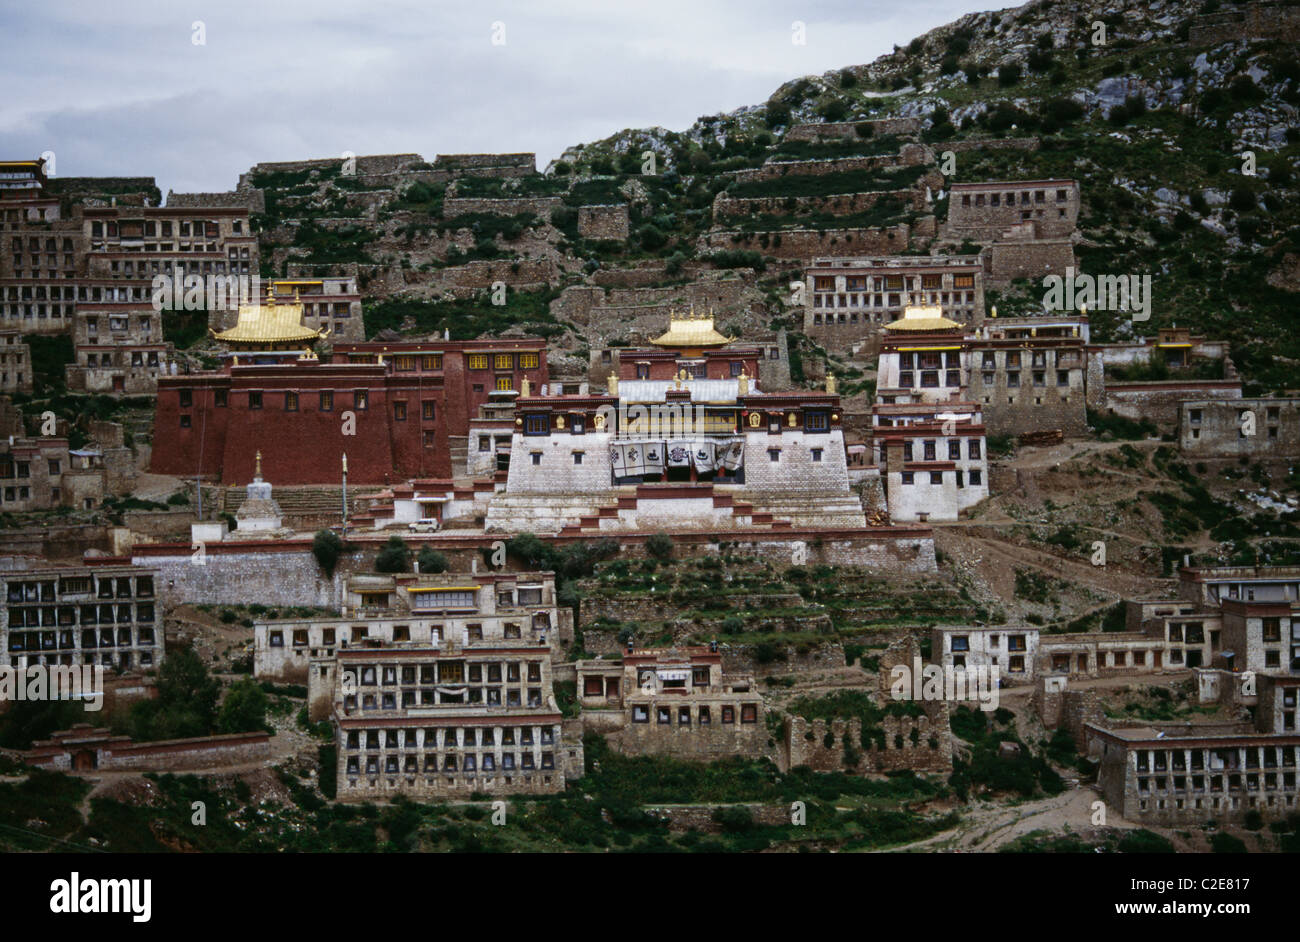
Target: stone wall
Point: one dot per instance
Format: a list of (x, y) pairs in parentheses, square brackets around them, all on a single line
[(804, 244), (920, 744), (1006, 261), (726, 206), (604, 222), (841, 130), (542, 206), (1160, 401), (1253, 21), (175, 755), (700, 817), (909, 155)]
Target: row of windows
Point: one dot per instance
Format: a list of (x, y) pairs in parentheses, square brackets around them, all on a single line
[(68, 640), (996, 199), (105, 587), (122, 660), (441, 696), (928, 282), (138, 229), (502, 361), (929, 450), (456, 672), (450, 737), (451, 763), (944, 298), (975, 478), (703, 715), (1039, 379), (325, 403), (90, 615)]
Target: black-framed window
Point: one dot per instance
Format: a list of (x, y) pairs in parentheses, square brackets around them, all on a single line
[(816, 420), (537, 425)]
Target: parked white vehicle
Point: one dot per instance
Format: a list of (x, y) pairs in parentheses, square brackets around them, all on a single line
[(423, 526)]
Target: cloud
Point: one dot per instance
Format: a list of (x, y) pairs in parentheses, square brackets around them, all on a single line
[(122, 88)]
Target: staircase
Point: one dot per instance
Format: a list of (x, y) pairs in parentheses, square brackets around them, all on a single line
[(675, 507)]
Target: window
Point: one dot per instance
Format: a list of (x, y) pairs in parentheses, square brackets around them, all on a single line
[(774, 454), (528, 361), (404, 363), (908, 477), (399, 411), (291, 402), (536, 425), (972, 448), (728, 714), (537, 457), (816, 421), (936, 477), (975, 478), (361, 399), (503, 361), (505, 383), (327, 402), (431, 362), (219, 398), (816, 454), (186, 398), (254, 400), (577, 457), (428, 410), (478, 361), (954, 450)]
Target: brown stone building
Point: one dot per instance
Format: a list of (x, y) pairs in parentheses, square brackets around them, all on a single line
[(119, 348), (848, 299), (15, 363), (1256, 428), (670, 701), (105, 611)]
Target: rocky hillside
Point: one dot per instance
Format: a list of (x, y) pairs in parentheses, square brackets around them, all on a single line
[(1182, 133)]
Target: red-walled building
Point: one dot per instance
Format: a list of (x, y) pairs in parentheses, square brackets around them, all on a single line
[(391, 407)]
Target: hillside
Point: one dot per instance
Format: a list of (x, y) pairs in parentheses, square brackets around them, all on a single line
[(1155, 122)]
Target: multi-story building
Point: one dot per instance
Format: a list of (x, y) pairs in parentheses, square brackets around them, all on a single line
[(684, 437), (997, 210), (138, 243), (395, 409), (103, 612), (420, 610), (119, 348), (1030, 374), (672, 701), (1012, 649), (447, 720), (849, 299), (1254, 428), (1180, 774), (15, 363)]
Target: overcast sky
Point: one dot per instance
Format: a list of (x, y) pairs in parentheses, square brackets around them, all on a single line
[(120, 87)]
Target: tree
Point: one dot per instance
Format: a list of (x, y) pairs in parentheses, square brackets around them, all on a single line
[(186, 704), (327, 548), (660, 546), (244, 709), (1009, 74), (394, 557), (431, 560)]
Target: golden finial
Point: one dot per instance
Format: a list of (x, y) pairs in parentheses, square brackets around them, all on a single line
[(525, 388), (612, 383), (993, 311), (345, 462), (742, 383), (270, 293), (258, 473), (830, 383), (1083, 309)]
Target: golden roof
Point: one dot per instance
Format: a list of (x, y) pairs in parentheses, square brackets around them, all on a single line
[(925, 318), (270, 323), (690, 331)]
